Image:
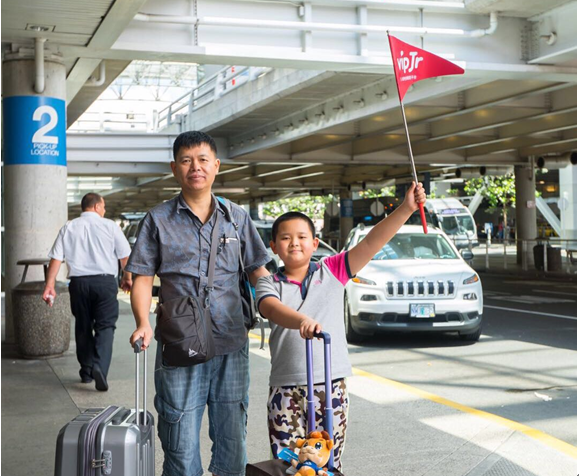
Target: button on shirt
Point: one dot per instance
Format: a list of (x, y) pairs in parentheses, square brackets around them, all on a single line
[(90, 245), (174, 244)]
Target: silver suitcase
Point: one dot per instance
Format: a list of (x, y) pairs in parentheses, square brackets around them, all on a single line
[(109, 441)]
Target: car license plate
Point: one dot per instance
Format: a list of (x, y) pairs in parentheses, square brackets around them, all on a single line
[(422, 310)]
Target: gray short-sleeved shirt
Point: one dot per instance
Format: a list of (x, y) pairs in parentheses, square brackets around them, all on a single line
[(174, 244), (321, 297)]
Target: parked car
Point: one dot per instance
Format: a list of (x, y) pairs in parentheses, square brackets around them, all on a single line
[(131, 230), (131, 226), (416, 282)]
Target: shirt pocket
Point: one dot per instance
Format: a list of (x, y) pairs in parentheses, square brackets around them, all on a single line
[(228, 255)]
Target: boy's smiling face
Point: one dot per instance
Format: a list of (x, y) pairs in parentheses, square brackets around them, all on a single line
[(294, 243)]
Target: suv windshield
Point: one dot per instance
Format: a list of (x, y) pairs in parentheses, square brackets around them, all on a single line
[(415, 246), (456, 224)]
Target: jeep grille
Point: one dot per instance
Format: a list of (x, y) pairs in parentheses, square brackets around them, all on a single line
[(417, 289)]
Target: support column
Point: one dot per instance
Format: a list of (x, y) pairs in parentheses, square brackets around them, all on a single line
[(34, 132), (568, 203), (526, 211), (346, 215), (254, 210)]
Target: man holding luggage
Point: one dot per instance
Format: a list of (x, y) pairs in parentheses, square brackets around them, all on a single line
[(92, 247), (174, 243)]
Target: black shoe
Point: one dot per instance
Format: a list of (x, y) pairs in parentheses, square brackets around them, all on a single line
[(86, 379), (100, 380)]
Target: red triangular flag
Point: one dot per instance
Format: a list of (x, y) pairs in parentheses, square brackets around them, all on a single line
[(412, 64)]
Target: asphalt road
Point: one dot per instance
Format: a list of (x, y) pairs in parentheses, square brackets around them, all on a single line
[(524, 368)]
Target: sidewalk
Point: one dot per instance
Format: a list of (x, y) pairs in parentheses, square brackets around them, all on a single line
[(397, 430), (501, 263)]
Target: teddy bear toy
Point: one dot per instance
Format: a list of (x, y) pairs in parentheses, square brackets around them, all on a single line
[(314, 454)]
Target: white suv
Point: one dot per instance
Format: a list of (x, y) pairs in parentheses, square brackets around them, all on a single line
[(416, 282)]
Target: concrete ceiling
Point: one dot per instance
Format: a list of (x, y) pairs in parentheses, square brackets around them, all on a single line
[(513, 8), (338, 129), (89, 24)]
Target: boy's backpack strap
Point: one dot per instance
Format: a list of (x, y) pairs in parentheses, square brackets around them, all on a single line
[(226, 207)]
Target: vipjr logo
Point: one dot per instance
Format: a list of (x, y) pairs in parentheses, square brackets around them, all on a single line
[(406, 64)]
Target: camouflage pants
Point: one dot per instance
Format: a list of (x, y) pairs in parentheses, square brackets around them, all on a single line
[(287, 419)]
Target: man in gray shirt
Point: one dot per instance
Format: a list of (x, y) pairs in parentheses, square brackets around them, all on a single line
[(174, 243), (92, 247)]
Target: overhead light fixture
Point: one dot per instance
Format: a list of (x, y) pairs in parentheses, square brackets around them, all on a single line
[(39, 28)]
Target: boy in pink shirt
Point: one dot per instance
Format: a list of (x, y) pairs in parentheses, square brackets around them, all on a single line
[(309, 296)]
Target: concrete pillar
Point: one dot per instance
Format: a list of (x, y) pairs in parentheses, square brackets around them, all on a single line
[(346, 215), (568, 203), (34, 132), (526, 211), (254, 210)]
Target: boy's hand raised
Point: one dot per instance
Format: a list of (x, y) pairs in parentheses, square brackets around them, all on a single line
[(308, 327), (414, 196)]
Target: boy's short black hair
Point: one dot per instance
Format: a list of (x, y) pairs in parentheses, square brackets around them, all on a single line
[(291, 216), (193, 139)]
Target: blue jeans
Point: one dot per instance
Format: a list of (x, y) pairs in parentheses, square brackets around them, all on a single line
[(222, 384)]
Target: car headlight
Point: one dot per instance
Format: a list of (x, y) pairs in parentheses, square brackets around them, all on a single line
[(471, 279), (361, 280)]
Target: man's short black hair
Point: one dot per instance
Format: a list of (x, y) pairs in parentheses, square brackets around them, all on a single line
[(193, 139), (291, 216), (90, 200)]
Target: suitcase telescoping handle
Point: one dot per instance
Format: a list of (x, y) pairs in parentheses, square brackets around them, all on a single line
[(328, 420), (137, 348)]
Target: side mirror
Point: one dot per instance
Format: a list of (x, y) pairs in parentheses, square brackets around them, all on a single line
[(467, 255)]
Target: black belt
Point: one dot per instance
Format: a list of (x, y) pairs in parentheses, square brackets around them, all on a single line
[(92, 276)]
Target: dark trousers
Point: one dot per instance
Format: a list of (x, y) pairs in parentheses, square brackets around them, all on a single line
[(94, 304)]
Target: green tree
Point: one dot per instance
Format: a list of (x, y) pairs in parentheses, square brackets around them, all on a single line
[(311, 206), (377, 193), (499, 191)]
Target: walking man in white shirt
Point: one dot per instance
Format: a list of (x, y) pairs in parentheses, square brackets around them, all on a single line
[(92, 247)]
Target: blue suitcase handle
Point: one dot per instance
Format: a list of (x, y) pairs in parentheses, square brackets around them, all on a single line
[(328, 420)]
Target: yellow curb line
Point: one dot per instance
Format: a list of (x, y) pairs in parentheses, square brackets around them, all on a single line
[(548, 440)]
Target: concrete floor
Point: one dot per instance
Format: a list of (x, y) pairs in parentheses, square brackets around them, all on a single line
[(395, 431)]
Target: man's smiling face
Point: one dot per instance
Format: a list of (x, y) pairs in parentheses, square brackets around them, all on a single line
[(195, 168)]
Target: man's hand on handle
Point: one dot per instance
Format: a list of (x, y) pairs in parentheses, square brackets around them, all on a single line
[(144, 332)]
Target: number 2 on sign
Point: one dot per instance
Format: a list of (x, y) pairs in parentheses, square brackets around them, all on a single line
[(40, 134)]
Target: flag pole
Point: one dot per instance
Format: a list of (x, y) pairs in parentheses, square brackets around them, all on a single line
[(414, 175)]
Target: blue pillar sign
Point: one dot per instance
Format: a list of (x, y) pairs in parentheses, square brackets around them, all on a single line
[(34, 130)]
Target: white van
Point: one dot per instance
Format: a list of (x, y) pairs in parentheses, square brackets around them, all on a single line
[(456, 220)]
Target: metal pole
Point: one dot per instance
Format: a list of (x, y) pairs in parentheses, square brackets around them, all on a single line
[(545, 267), (524, 248), (504, 252), (487, 251), (409, 144)]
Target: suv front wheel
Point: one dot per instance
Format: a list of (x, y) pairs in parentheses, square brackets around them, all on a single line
[(351, 335), (472, 336)]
